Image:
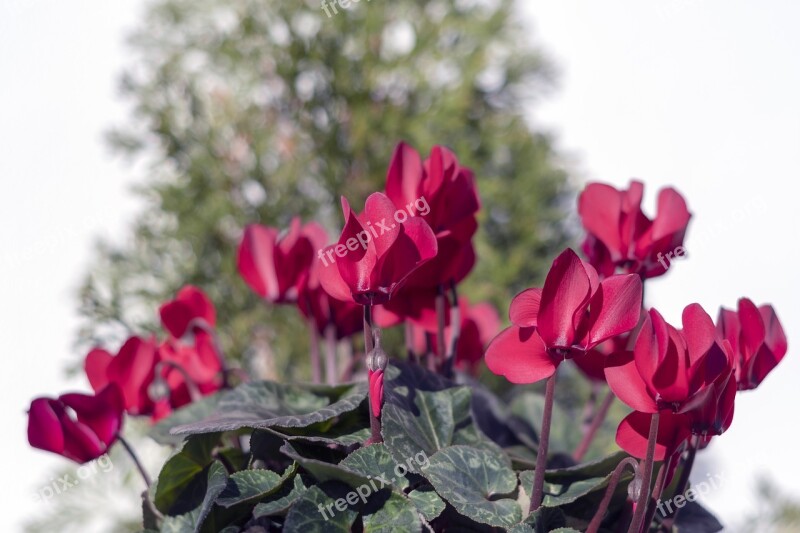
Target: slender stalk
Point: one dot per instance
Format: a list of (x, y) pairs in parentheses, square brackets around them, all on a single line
[(683, 482), (129, 449), (590, 407), (330, 354), (316, 371), (537, 494), (658, 489), (374, 422), (597, 422), (644, 491), (455, 332), (594, 525)]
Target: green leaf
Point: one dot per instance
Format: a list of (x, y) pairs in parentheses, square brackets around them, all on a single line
[(180, 471), (323, 471), (266, 404), (192, 412), (249, 485), (388, 512), (558, 494), (423, 413), (546, 519), (474, 482), (427, 502), (598, 468), (280, 501), (375, 461), (192, 521), (316, 512)]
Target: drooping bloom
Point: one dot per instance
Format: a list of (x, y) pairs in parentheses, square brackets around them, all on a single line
[(80, 427), (376, 252), (191, 307), (620, 236), (444, 194), (132, 370), (686, 372), (570, 315), (757, 339), (275, 265)]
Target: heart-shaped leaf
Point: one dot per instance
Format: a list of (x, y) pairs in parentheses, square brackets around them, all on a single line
[(388, 512), (251, 485), (215, 480), (376, 461), (176, 478), (266, 404), (279, 502), (316, 511), (427, 502), (192, 412), (475, 482)]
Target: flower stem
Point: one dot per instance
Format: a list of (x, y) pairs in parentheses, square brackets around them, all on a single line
[(537, 494), (644, 491), (594, 525), (455, 332), (597, 421), (129, 449), (191, 385), (661, 479), (409, 339), (694, 443), (374, 422)]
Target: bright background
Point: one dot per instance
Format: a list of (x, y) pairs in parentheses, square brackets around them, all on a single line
[(699, 94)]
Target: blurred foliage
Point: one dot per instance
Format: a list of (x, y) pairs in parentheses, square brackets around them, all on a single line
[(776, 512), (257, 110)]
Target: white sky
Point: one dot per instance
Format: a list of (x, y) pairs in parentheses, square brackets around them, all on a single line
[(700, 94)]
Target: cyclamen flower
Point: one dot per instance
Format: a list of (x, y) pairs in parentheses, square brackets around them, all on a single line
[(132, 370), (80, 427), (449, 195), (685, 372), (621, 236), (375, 254), (191, 307), (570, 315), (757, 338), (275, 265)]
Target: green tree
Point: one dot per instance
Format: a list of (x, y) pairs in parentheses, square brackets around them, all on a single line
[(257, 110)]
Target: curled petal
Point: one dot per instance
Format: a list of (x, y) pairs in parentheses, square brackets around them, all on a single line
[(565, 295), (615, 307), (520, 355), (627, 384), (525, 308)]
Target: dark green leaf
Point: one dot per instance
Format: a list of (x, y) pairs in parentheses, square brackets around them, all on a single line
[(180, 470), (377, 462), (474, 482), (192, 521), (193, 412), (280, 501), (388, 512), (428, 502), (316, 512), (267, 404), (249, 485)]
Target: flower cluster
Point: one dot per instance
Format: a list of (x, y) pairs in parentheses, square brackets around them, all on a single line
[(399, 261), (145, 378), (680, 383)]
